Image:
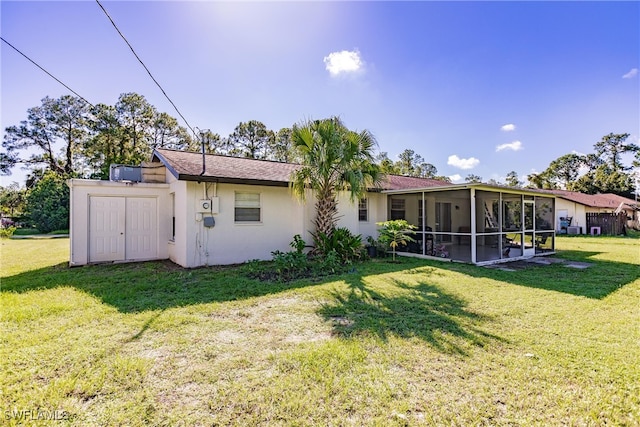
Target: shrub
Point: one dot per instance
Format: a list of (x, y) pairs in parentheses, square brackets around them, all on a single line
[(298, 244), (290, 265), (395, 233), (7, 232), (347, 246), (48, 203)]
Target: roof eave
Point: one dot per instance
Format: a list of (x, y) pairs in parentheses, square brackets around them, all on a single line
[(226, 180)]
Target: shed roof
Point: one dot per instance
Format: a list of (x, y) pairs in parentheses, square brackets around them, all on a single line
[(187, 166)]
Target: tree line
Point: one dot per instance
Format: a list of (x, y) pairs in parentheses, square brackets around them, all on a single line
[(67, 137)]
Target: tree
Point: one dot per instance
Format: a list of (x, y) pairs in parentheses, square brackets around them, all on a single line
[(48, 203), (427, 170), (334, 159), (386, 164), (409, 163), (512, 179), (12, 199), (280, 147), (395, 233), (540, 180), (564, 170), (213, 143), (56, 124), (135, 118), (604, 180), (166, 133), (105, 145), (250, 139), (474, 179), (611, 147)]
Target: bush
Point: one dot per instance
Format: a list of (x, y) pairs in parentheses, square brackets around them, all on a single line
[(395, 233), (48, 203), (347, 246), (293, 265), (290, 265), (7, 232)]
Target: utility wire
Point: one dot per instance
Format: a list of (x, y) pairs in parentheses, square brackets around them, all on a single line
[(145, 67), (48, 73)]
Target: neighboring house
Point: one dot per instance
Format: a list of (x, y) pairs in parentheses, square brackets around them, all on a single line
[(209, 210), (577, 205)]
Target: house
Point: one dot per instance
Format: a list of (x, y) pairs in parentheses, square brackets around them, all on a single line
[(199, 210), (578, 206)]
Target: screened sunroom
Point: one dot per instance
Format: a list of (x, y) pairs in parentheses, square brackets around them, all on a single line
[(476, 223)]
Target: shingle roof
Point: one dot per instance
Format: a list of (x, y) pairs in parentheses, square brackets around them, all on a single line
[(609, 201), (188, 166), (398, 182)]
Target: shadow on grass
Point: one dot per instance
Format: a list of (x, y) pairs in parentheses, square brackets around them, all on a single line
[(597, 281), (420, 311), (155, 285)]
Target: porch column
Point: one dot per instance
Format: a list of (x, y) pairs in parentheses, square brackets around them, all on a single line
[(472, 198)]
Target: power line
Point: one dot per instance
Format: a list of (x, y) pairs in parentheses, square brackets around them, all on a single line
[(145, 67), (48, 73)]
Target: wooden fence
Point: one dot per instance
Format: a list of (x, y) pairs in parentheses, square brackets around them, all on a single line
[(609, 223)]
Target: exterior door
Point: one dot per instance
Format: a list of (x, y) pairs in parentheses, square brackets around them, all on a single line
[(122, 228), (141, 228), (443, 220), (106, 229)]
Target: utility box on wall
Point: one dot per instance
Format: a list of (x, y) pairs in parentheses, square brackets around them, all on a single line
[(211, 205)]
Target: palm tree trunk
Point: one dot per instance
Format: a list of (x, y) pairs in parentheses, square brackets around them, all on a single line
[(326, 212)]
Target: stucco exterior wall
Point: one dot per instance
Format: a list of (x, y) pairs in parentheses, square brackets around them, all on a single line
[(83, 189), (377, 213), (184, 238), (231, 242), (573, 209)]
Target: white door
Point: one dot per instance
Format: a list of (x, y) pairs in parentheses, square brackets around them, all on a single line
[(141, 228), (122, 228), (106, 229)]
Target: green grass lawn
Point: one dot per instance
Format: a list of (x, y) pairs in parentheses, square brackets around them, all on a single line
[(413, 343)]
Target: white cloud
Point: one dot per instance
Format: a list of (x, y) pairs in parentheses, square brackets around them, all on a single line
[(346, 61), (508, 127), (457, 162), (631, 74), (456, 178), (515, 146)]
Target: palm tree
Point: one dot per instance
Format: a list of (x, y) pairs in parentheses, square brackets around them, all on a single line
[(334, 159)]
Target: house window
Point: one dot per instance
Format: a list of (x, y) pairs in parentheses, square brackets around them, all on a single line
[(247, 207), (363, 210), (397, 209)]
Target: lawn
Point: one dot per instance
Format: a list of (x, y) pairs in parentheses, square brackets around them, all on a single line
[(412, 343)]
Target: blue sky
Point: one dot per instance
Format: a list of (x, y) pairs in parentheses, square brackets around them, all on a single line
[(473, 87)]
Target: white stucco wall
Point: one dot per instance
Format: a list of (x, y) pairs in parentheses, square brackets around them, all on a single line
[(228, 242), (575, 210), (83, 189), (231, 242)]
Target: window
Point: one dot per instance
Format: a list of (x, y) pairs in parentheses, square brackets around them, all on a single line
[(247, 207), (397, 209), (363, 210)]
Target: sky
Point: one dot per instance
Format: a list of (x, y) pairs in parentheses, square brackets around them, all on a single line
[(479, 88)]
